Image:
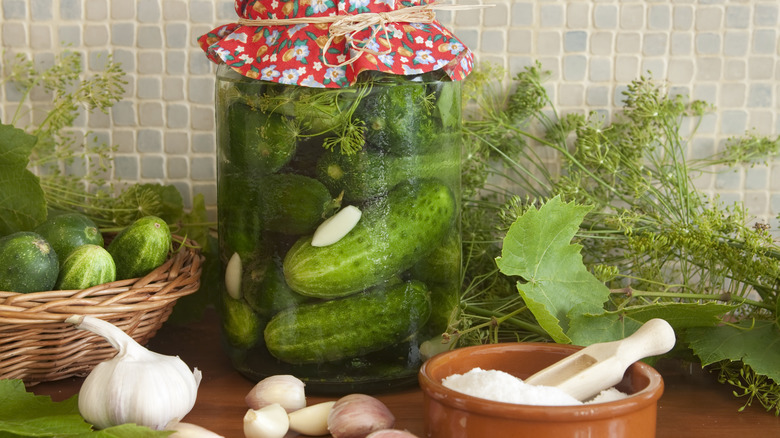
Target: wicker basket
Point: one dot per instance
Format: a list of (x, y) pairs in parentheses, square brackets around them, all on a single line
[(36, 345)]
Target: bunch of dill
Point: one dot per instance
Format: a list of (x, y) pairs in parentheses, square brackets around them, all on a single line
[(652, 237)]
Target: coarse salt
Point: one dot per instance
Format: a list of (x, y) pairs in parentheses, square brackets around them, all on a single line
[(500, 386)]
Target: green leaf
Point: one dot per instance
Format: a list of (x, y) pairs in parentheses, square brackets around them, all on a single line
[(194, 225), (447, 99), (586, 329), (538, 248), (755, 343), (15, 146), (26, 414), (139, 200), (22, 202), (127, 431)]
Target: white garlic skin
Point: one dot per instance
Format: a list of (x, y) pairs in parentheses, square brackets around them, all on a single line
[(271, 421), (284, 389), (135, 386)]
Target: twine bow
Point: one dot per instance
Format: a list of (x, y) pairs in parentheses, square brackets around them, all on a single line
[(347, 26)]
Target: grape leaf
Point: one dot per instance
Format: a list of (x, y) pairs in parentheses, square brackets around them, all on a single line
[(22, 202), (755, 343), (26, 414), (15, 146), (588, 328), (538, 248), (126, 431)]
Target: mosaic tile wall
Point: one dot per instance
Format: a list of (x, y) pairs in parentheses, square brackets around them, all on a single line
[(724, 52)]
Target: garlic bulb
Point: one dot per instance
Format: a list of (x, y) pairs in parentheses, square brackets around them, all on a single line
[(135, 386)]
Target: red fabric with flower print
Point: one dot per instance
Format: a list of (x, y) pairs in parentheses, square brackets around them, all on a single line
[(293, 54)]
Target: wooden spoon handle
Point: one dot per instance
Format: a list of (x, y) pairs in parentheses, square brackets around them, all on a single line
[(600, 366)]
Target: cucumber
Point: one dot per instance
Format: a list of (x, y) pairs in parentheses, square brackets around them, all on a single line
[(293, 204), (239, 213), (443, 264), (348, 327), (28, 263), (440, 270), (241, 326), (393, 233), (140, 247), (272, 295), (259, 142), (398, 118), (368, 174), (87, 266), (67, 232)]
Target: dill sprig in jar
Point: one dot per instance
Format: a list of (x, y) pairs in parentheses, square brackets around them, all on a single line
[(338, 141)]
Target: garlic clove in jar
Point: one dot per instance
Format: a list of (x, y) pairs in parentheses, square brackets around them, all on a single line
[(233, 276), (135, 386), (334, 228)]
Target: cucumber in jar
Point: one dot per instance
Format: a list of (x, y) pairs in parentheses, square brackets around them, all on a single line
[(393, 233), (398, 118), (293, 204), (348, 327), (259, 142), (369, 173)]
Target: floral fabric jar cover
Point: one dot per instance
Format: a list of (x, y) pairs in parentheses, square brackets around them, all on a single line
[(293, 42)]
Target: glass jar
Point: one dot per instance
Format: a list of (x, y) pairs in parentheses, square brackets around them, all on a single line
[(379, 162)]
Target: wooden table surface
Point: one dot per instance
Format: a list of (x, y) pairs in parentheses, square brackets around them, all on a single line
[(693, 404)]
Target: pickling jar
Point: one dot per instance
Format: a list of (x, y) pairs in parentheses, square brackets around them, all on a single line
[(339, 161)]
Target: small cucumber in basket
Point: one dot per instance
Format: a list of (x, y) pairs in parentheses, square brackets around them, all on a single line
[(141, 247), (86, 266), (68, 231), (348, 327), (393, 233), (28, 263)]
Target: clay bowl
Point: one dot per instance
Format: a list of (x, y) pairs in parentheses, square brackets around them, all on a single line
[(452, 414)]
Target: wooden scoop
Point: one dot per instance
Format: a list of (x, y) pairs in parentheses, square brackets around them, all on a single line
[(597, 367)]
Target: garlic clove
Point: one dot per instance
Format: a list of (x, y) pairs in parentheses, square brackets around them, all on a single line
[(284, 389), (135, 386), (332, 229), (357, 415), (189, 430), (268, 422), (311, 420), (233, 276)]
